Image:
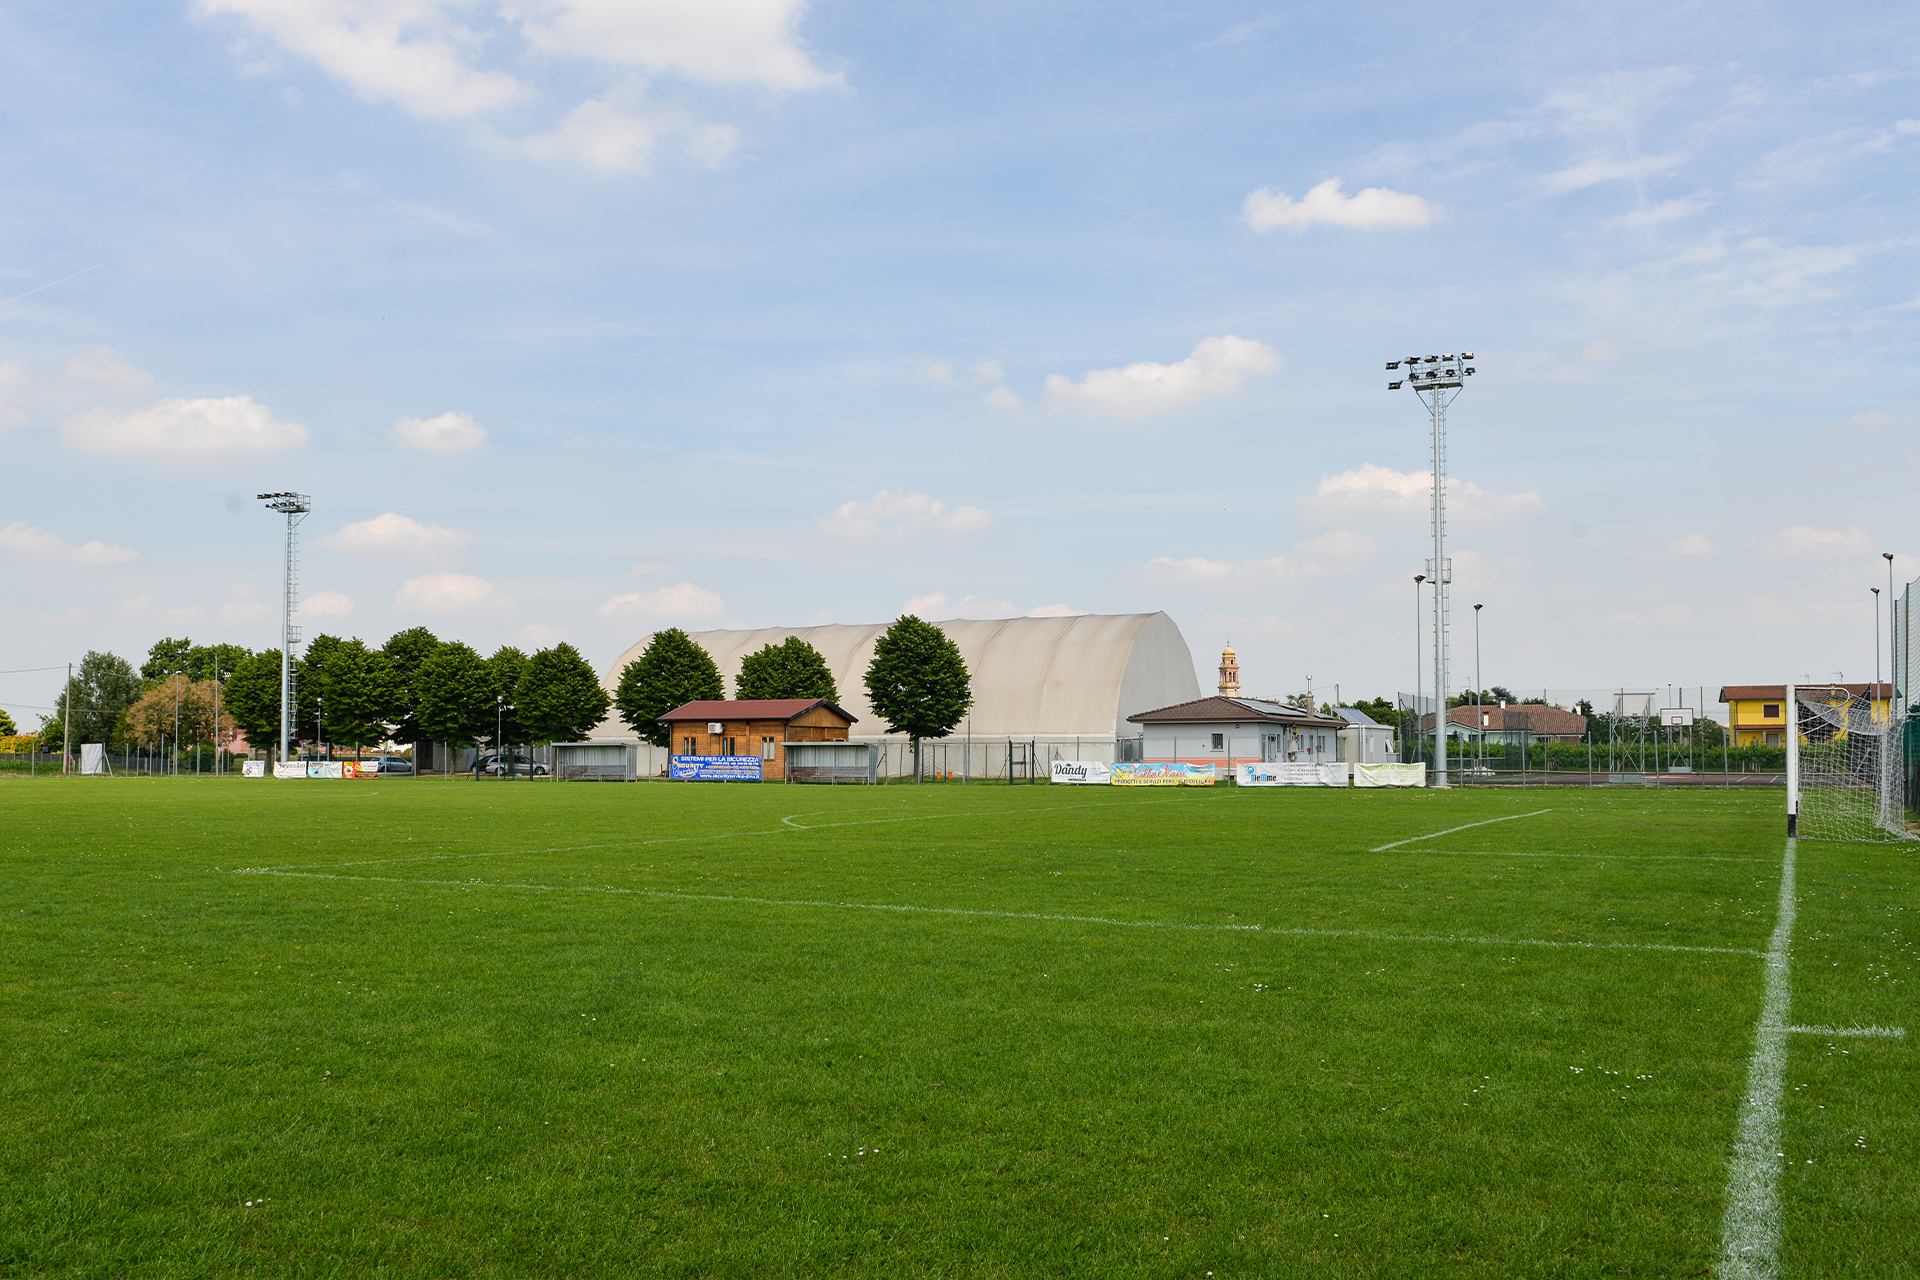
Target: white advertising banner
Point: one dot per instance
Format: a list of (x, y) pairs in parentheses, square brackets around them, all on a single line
[(1291, 775), (253, 768), (93, 759), (1082, 773), (1390, 775), (289, 769), (324, 769)]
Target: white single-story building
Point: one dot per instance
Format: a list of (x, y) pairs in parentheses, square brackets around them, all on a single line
[(1364, 740), (1225, 730)]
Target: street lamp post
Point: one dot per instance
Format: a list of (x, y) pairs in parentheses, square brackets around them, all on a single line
[(1479, 716), (1437, 380), (175, 770), (1419, 731), (320, 722)]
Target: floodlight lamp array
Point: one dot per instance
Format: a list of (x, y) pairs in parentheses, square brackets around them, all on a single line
[(288, 502), (1448, 371)]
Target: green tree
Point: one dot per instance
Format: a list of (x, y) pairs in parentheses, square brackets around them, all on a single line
[(559, 698), (167, 657), (672, 672), (791, 669), (203, 660), (1382, 710), (310, 687), (504, 669), (101, 690), (406, 651), (456, 696), (917, 681), (361, 694), (7, 728), (251, 697)]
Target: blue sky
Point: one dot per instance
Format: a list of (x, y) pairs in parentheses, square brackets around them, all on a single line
[(579, 318)]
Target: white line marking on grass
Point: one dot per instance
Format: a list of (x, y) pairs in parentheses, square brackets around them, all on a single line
[(1611, 857), (1435, 835), (677, 895), (1877, 1033), (1750, 1232)]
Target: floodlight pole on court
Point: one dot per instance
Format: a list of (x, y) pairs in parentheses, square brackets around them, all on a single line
[(1437, 380), (295, 507)]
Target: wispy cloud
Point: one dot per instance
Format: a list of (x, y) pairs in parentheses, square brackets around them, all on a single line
[(903, 512), (1371, 209), (1217, 367)]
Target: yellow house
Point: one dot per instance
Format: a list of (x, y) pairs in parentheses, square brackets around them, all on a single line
[(1757, 713)]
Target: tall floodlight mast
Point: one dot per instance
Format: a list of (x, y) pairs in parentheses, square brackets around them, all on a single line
[(1437, 380), (295, 507)]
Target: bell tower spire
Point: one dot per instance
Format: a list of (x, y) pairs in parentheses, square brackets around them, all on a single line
[(1229, 672)]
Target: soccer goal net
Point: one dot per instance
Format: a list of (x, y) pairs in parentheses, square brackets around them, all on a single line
[(1846, 775)]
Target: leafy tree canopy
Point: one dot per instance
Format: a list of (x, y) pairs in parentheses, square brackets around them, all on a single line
[(673, 671), (559, 698), (166, 657), (456, 696), (790, 669), (505, 668), (7, 728), (1382, 710), (918, 681), (309, 685), (102, 689), (361, 694), (251, 698), (406, 651)]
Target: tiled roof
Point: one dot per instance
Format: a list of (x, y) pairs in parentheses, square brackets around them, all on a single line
[(1751, 692), (1241, 710), (753, 709), (1541, 721)]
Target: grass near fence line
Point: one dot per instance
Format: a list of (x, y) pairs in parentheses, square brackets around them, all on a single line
[(416, 1027)]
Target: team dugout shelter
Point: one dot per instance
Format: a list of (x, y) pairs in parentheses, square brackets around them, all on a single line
[(756, 727)]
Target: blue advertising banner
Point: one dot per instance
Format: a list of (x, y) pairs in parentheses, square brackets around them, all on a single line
[(714, 768)]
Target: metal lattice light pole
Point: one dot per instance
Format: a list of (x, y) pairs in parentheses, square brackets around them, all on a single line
[(295, 507), (1437, 380)]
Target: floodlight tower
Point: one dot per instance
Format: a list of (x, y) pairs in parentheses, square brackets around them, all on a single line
[(1437, 380), (295, 507)]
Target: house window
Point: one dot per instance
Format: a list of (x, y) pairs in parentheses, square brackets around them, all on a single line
[(687, 747), (1770, 711), (766, 748), (1775, 738), (729, 751), (1219, 741)]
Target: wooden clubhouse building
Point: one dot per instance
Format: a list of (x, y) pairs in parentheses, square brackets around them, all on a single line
[(755, 727)]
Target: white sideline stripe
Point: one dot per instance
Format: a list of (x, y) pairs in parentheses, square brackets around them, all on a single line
[(1750, 1232), (1450, 830), (789, 825), (678, 896), (1878, 1033), (1610, 857)]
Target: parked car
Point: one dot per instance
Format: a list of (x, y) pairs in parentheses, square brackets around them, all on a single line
[(390, 764), (499, 764)]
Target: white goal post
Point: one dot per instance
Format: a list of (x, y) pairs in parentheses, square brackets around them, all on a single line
[(1846, 771)]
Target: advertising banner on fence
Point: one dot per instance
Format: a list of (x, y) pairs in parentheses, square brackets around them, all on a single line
[(1082, 773), (290, 769), (253, 768), (1163, 774), (365, 771), (1291, 775), (714, 768), (1390, 775)]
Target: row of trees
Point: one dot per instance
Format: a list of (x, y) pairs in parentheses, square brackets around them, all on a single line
[(917, 681), (419, 688)]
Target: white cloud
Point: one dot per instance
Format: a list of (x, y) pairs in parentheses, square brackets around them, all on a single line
[(1906, 126), (938, 371), (1340, 551), (1665, 211), (938, 606), (449, 593), (1805, 540), (539, 635), (1775, 274), (394, 534), (598, 134), (988, 370), (327, 604), (240, 611), (141, 608), (647, 569), (682, 602), (1381, 491), (903, 512), (35, 543), (1371, 208), (418, 54), (1694, 544), (70, 618), (1002, 398), (1217, 367), (719, 41), (107, 368), (1056, 611), (231, 427), (1598, 352), (448, 433), (1593, 172)]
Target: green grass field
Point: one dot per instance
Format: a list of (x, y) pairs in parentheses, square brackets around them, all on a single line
[(521, 1029)]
